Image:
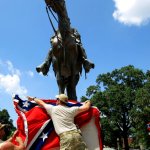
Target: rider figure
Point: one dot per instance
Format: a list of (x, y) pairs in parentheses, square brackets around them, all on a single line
[(87, 65)]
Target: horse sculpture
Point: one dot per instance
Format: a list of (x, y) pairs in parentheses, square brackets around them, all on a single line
[(67, 54)]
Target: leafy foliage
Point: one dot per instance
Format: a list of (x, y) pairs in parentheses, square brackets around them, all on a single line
[(5, 119), (124, 104)]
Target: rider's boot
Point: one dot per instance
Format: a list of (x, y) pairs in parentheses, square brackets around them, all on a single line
[(44, 67), (87, 65)]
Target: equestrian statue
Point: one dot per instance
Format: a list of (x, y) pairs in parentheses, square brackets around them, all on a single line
[(67, 54)]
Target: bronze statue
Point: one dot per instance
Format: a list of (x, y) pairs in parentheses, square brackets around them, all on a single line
[(67, 54)]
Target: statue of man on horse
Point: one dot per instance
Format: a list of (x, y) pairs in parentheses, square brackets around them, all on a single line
[(67, 54)]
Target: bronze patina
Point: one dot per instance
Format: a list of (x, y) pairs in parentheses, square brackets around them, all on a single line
[(67, 54)]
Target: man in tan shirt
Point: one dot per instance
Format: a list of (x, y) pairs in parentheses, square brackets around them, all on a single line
[(63, 120)]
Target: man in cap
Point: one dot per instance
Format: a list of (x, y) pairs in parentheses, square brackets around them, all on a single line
[(7, 145), (63, 120)]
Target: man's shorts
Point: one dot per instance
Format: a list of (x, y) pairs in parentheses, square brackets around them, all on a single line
[(72, 140)]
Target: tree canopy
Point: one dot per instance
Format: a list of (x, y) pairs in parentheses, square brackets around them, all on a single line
[(5, 119), (123, 97)]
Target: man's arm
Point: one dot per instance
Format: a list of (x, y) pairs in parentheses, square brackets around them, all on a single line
[(85, 106), (21, 144), (38, 101), (10, 146), (10, 139)]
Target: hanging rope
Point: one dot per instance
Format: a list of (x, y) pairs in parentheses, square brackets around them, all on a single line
[(52, 13), (47, 8)]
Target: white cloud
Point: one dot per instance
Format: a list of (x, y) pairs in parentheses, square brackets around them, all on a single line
[(30, 73), (11, 68), (10, 82), (132, 12)]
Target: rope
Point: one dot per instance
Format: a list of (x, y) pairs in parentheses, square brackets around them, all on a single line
[(48, 8), (51, 20), (59, 41), (52, 13)]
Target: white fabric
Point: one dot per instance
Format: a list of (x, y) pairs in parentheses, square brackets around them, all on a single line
[(1, 141), (62, 116), (90, 135)]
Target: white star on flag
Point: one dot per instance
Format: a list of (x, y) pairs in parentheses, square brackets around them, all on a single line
[(26, 104), (44, 136)]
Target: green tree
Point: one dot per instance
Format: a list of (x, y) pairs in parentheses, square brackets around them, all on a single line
[(116, 96), (5, 119), (142, 113)]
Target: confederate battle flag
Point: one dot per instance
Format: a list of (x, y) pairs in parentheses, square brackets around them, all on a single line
[(36, 128)]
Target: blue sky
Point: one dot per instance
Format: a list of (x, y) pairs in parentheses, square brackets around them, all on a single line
[(114, 33)]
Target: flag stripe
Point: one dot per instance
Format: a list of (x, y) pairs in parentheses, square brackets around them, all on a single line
[(37, 134), (25, 127), (36, 129)]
